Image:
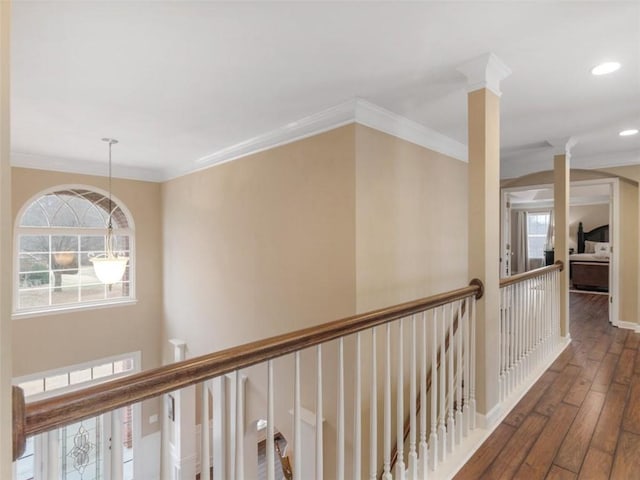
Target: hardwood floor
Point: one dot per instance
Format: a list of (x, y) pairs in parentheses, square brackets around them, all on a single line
[(581, 420)]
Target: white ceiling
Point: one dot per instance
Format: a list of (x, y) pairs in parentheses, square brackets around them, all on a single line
[(178, 81)]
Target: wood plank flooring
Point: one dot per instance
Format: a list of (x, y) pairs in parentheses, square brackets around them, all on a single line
[(581, 420)]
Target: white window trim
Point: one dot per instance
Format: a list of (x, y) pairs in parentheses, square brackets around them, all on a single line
[(136, 422), (57, 309)]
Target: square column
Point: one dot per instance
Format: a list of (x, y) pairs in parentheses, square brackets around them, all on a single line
[(561, 193), (484, 75)]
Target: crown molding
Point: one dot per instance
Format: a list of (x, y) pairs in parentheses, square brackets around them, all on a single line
[(356, 110), (485, 71), (378, 118), (311, 125), (83, 167), (353, 111)]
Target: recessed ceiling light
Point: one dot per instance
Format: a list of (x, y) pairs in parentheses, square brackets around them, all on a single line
[(626, 133), (605, 68)]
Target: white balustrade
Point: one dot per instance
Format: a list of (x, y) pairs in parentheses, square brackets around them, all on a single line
[(529, 329)]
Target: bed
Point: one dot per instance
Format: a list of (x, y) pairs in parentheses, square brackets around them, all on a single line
[(589, 268)]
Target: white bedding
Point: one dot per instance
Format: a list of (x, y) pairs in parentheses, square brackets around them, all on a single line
[(587, 257)]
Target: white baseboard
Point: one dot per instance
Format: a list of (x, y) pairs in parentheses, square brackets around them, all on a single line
[(628, 326)]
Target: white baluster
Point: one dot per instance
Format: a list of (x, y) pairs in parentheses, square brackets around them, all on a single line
[(373, 410), (239, 457), (400, 404), (467, 360), (271, 467), (319, 438), (205, 465), (451, 392), (424, 453), (413, 455), (340, 410), (514, 347), (357, 424), (459, 371), (433, 437), (387, 407), (442, 372), (472, 390), (116, 445), (297, 425), (501, 349)]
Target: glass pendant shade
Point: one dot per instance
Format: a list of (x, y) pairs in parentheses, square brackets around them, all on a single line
[(109, 267)]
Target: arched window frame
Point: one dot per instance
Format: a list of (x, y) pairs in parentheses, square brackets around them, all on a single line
[(80, 305)]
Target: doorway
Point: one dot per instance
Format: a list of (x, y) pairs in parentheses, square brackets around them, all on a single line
[(528, 234)]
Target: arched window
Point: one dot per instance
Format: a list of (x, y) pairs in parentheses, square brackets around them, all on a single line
[(56, 235)]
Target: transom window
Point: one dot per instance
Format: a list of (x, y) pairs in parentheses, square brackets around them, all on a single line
[(56, 236)]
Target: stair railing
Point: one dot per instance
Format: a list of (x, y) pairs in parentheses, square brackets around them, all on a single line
[(429, 322)]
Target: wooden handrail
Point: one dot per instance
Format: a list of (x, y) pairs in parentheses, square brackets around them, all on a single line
[(520, 277), (48, 414)]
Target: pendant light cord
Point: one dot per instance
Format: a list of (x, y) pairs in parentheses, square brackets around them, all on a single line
[(109, 246), (110, 205)]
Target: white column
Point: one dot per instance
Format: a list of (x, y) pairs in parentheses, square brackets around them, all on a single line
[(484, 75), (6, 441), (220, 438), (183, 447), (561, 187)]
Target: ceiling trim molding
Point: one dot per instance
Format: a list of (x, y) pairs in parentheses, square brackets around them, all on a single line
[(353, 111), (315, 124), (378, 118), (356, 110), (83, 167)]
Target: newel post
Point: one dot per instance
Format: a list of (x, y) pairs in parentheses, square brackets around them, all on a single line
[(484, 75)]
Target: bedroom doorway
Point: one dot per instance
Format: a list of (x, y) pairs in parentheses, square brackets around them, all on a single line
[(528, 235)]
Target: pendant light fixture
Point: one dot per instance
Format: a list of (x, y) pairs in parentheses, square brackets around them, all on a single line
[(109, 266)]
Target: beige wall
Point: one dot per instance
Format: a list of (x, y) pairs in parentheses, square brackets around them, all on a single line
[(591, 216), (411, 221), (61, 339)]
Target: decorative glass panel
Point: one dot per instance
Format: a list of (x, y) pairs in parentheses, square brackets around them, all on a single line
[(81, 450)]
